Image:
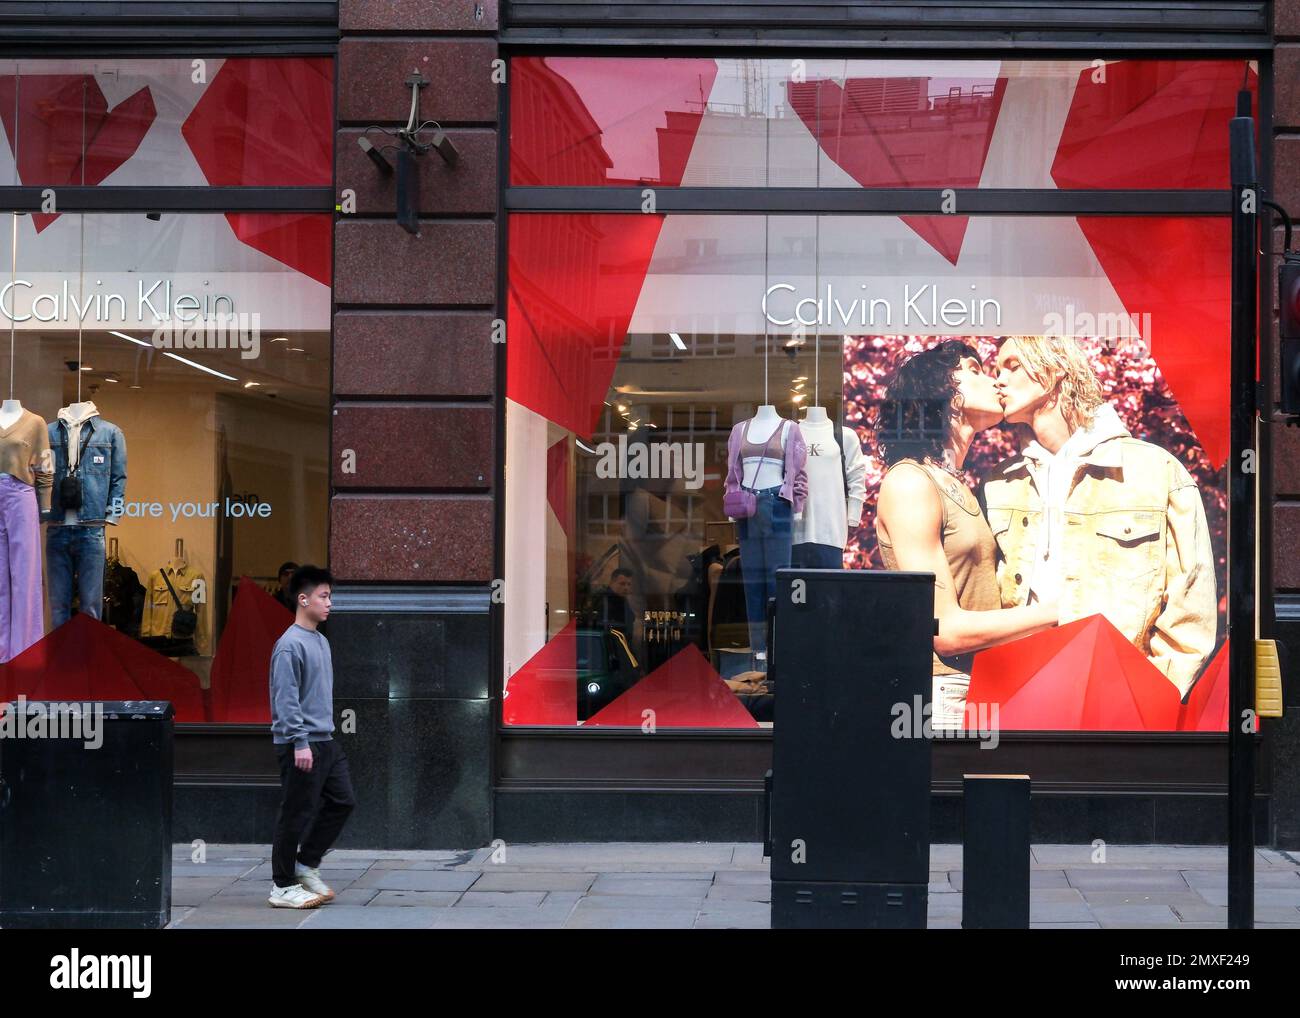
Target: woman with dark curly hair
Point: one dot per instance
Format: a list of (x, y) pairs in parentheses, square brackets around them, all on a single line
[(928, 520)]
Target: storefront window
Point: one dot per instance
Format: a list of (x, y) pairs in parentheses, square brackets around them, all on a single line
[(232, 122), (661, 364), (700, 122), (164, 423)]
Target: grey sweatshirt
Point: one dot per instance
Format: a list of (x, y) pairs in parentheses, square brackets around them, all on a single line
[(302, 688)]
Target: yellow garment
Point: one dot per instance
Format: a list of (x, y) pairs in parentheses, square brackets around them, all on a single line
[(159, 606), (1135, 548)]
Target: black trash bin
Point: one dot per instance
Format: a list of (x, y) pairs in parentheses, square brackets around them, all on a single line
[(86, 829)]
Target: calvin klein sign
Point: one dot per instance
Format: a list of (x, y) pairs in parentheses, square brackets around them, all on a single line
[(917, 307), (152, 301)]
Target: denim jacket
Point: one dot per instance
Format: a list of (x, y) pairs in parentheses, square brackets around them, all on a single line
[(1136, 549), (102, 470)]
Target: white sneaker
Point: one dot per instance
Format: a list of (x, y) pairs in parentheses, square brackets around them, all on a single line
[(311, 879), (295, 896)]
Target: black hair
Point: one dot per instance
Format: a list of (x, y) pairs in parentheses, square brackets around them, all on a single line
[(621, 571), (287, 567), (308, 578), (913, 421)]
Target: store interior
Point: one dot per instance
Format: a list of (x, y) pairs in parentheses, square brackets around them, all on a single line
[(226, 477)]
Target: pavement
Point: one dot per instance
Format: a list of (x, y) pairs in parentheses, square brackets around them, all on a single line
[(699, 886)]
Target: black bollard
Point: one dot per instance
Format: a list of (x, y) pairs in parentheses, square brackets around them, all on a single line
[(995, 852)]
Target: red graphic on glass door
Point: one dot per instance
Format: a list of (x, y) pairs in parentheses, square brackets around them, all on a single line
[(891, 132), (574, 283), (241, 137), (1144, 124), (69, 135)]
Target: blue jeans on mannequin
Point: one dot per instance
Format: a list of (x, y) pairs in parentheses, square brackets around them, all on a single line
[(74, 554), (817, 556), (765, 540)]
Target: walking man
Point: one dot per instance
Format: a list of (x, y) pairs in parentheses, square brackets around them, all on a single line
[(315, 787)]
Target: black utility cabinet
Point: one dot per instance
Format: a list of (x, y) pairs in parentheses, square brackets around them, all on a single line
[(851, 665), (85, 833)]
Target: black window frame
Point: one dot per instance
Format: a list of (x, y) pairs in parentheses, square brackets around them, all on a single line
[(545, 757), (207, 752)]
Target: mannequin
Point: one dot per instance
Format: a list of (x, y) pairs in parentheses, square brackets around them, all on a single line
[(760, 428), (836, 491), (24, 502), (766, 455), (10, 411), (90, 477), (765, 421)]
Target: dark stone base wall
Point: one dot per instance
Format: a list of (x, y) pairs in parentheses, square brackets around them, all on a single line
[(224, 814), (246, 815), (528, 816), (417, 682)]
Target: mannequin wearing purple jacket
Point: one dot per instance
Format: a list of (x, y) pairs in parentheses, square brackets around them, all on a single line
[(766, 537)]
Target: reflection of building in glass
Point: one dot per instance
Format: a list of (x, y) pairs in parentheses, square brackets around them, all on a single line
[(550, 125)]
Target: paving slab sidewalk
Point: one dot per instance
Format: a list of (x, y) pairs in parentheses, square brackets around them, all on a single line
[(712, 885)]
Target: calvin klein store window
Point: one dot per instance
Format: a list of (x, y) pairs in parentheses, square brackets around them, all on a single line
[(165, 379), (696, 399)]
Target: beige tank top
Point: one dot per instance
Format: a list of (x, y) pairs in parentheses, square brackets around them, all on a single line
[(969, 547)]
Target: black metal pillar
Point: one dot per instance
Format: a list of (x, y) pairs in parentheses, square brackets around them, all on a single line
[(1241, 523)]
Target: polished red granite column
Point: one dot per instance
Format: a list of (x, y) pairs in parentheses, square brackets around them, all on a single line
[(1283, 734), (413, 357), (413, 457), (1286, 189)]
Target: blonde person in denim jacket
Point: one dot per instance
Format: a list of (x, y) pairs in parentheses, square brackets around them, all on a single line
[(1098, 520)]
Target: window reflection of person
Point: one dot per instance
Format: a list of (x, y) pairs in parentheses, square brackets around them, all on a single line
[(656, 543), (282, 580), (928, 520), (1106, 523), (615, 612)]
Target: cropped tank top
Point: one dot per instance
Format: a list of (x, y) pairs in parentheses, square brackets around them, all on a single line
[(967, 544)]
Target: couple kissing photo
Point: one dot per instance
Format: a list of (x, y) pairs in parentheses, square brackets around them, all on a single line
[(1010, 475)]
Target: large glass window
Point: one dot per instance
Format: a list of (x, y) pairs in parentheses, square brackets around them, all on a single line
[(224, 122), (700, 122), (164, 424), (660, 365)]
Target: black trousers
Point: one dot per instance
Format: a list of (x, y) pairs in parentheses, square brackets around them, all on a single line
[(314, 805)]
